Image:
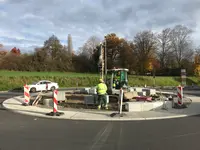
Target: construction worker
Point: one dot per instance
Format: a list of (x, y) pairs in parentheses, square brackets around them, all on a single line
[(118, 76), (101, 91), (115, 83)]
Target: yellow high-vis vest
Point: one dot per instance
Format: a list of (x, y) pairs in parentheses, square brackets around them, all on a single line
[(101, 88)]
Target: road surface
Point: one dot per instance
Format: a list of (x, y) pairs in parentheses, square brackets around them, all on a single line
[(21, 132)]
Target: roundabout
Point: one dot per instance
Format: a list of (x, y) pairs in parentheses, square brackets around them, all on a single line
[(34, 132), (141, 111)]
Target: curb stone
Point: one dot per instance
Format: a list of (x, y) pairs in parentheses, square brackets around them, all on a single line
[(77, 115)]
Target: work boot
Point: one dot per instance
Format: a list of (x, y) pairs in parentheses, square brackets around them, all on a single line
[(99, 107), (106, 107)]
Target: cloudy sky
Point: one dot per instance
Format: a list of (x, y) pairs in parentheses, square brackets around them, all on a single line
[(28, 23)]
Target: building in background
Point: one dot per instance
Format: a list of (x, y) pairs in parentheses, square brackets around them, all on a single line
[(70, 48)]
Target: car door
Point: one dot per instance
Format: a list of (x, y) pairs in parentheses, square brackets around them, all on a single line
[(42, 86)]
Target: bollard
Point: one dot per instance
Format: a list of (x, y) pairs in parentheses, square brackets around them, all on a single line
[(55, 103), (164, 107), (26, 95), (180, 95), (121, 101)]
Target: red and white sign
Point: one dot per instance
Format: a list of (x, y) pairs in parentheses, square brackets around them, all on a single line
[(180, 95), (55, 101)]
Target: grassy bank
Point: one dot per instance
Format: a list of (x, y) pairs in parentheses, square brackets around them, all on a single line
[(13, 79)]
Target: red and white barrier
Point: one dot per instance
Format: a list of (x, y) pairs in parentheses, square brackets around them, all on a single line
[(26, 95), (55, 105), (180, 95), (55, 101)]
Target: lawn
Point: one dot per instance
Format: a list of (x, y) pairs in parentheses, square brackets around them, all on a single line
[(15, 79), (44, 74)]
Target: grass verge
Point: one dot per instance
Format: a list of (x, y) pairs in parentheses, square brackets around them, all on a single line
[(15, 79)]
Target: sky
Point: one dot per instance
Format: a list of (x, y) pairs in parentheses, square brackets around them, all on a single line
[(26, 24)]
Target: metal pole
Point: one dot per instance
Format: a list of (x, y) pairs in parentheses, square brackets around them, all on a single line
[(102, 52), (105, 58), (121, 100)]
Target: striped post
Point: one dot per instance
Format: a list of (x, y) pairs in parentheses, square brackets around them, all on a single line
[(180, 95), (55, 101), (26, 95), (55, 105)]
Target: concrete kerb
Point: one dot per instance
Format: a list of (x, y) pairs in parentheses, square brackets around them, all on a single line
[(78, 115)]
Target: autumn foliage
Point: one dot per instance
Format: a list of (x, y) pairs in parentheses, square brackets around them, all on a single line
[(15, 51), (197, 65)]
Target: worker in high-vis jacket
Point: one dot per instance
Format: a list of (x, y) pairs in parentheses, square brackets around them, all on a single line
[(115, 83), (102, 91)]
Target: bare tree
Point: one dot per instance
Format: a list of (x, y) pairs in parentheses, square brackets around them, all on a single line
[(181, 43), (145, 48), (197, 50), (89, 47), (164, 46)]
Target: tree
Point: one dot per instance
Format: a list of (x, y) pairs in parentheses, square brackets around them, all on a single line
[(89, 47), (181, 43), (164, 46), (15, 51), (3, 53), (113, 46), (127, 56), (197, 62), (53, 47), (145, 48)]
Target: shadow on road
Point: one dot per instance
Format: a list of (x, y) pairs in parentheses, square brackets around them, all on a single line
[(2, 108)]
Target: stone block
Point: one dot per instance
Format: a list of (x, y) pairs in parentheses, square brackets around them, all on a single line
[(85, 90), (150, 92), (116, 91), (142, 106), (89, 99), (130, 95), (131, 89), (61, 96), (143, 93), (92, 91), (137, 89), (48, 102), (93, 99)]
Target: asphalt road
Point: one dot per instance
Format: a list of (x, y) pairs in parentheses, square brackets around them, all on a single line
[(21, 132)]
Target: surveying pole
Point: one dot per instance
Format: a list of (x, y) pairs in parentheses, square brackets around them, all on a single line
[(105, 58), (102, 62)]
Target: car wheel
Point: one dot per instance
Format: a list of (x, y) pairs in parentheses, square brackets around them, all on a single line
[(33, 90), (53, 88)]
